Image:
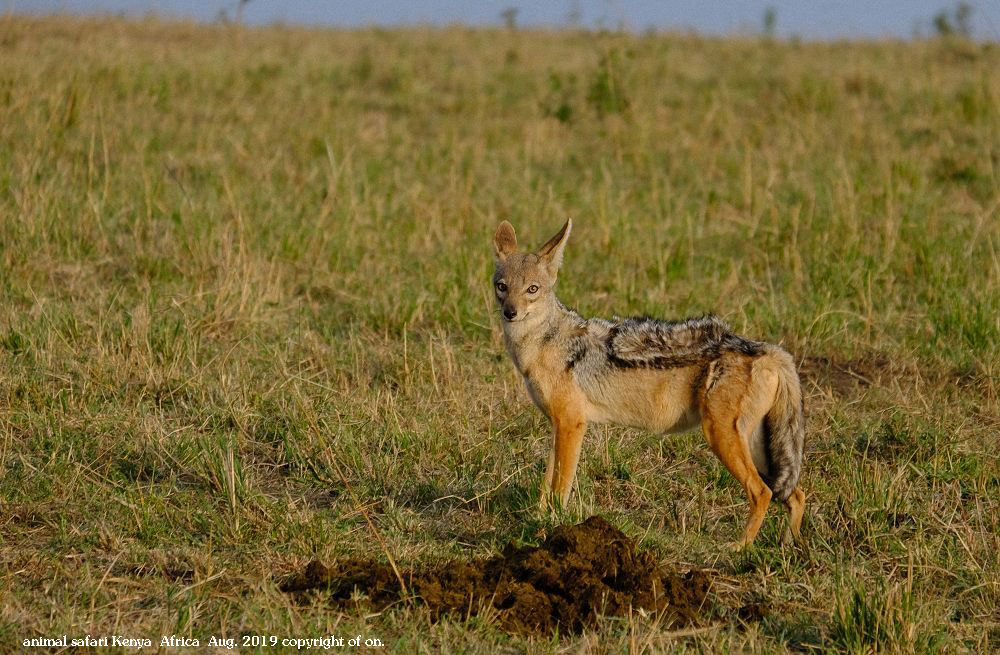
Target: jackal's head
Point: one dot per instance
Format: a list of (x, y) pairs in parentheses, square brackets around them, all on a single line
[(524, 282)]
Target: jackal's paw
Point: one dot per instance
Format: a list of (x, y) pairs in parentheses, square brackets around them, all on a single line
[(792, 539), (737, 546)]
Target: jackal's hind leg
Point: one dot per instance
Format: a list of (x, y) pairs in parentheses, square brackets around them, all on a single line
[(726, 443), (796, 504)]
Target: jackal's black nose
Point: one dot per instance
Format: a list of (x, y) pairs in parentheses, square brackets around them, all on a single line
[(509, 314)]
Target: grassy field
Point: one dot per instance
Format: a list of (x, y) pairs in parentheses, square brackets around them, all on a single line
[(245, 304)]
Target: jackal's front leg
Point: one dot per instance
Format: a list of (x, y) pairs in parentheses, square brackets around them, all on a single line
[(568, 428), (550, 469)]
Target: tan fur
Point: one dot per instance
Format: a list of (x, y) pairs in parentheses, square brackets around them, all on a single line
[(664, 379)]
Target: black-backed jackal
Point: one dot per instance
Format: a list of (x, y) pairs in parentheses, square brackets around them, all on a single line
[(662, 376)]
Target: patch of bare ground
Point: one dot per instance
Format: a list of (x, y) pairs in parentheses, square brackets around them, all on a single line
[(846, 376)]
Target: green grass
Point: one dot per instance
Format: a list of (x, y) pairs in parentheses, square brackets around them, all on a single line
[(245, 310)]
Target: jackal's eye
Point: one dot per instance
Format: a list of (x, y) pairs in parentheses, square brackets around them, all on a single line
[(533, 288), (501, 287)]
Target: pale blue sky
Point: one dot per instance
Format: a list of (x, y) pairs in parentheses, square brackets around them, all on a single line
[(806, 18)]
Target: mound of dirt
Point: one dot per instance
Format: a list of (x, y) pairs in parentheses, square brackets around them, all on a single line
[(578, 573)]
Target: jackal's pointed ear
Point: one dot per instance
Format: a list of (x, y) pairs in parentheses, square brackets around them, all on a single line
[(551, 253), (504, 242)]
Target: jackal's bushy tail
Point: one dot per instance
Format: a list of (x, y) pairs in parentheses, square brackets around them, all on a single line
[(784, 427)]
